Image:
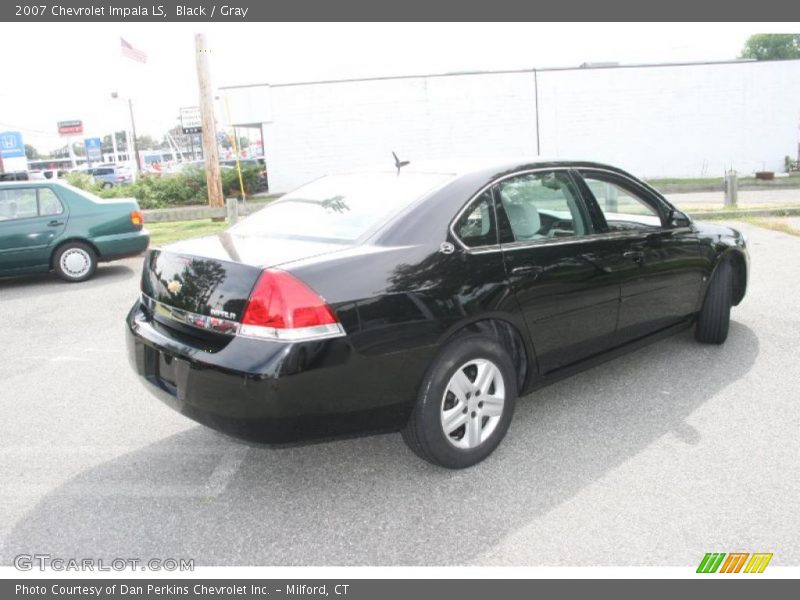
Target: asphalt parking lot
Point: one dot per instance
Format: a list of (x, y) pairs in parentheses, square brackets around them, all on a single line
[(654, 458)]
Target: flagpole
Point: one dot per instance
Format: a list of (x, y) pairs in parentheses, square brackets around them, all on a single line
[(133, 131), (128, 51)]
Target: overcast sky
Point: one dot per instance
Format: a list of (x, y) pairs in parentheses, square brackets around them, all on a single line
[(67, 71)]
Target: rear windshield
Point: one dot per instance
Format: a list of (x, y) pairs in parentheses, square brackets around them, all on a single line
[(340, 208)]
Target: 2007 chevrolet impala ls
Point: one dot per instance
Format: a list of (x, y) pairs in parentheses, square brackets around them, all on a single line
[(424, 299)]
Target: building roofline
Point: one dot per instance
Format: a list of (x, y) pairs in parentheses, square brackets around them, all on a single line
[(585, 67)]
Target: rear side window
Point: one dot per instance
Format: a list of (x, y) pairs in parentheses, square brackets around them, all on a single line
[(340, 208), (476, 226), (49, 204)]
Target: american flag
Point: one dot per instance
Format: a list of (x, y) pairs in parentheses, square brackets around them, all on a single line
[(131, 52)]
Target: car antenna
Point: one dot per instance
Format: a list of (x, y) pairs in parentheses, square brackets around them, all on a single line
[(399, 163)]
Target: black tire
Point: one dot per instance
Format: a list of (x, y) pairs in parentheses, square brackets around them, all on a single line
[(424, 433), (107, 185), (77, 250), (714, 318)]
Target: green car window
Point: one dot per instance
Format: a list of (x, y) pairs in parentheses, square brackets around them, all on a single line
[(18, 203), (49, 204)]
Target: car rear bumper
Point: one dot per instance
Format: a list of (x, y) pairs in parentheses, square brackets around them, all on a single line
[(270, 392), (113, 247)]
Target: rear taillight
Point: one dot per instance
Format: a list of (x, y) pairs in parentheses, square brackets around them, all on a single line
[(282, 307), (137, 220), (120, 178)]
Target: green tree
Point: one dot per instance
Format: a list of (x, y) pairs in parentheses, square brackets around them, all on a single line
[(31, 153), (772, 46), (146, 142)]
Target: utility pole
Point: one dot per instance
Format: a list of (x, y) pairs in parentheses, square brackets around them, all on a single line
[(114, 147), (209, 126), (71, 150), (133, 140), (130, 142)]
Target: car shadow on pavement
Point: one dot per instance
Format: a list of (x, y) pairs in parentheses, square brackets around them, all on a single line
[(105, 274), (369, 501)]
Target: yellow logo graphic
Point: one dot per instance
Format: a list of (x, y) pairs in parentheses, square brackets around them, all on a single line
[(716, 562)]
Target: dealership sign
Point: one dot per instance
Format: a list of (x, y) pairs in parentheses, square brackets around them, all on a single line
[(70, 127), (94, 149), (190, 120), (11, 145)]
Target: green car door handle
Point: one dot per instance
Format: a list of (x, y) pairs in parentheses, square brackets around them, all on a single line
[(55, 223)]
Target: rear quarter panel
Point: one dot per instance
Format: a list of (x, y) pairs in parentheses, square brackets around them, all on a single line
[(105, 224), (399, 305)]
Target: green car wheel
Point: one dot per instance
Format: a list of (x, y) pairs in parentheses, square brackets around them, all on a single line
[(75, 262)]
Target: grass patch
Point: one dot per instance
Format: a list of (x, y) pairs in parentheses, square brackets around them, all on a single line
[(720, 181), (784, 225), (718, 207), (691, 180), (164, 233)]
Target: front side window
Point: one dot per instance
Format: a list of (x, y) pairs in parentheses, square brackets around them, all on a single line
[(476, 226), (340, 208), (622, 208), (17, 203), (542, 205)]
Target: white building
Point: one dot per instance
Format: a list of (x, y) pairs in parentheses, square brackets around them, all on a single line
[(666, 120)]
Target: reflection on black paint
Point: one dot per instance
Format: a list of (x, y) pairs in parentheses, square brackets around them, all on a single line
[(198, 280)]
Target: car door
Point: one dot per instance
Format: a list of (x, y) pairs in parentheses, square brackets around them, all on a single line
[(31, 219), (665, 270), (564, 275)]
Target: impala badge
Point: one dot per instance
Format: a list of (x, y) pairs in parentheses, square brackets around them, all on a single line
[(174, 286), (216, 312)]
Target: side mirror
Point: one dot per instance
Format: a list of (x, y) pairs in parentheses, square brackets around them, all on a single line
[(678, 219)]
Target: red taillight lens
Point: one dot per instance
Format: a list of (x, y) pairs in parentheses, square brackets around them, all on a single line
[(137, 218), (283, 307)]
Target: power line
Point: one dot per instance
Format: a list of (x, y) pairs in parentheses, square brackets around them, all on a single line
[(28, 129)]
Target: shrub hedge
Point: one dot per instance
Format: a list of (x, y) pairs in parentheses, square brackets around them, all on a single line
[(171, 189)]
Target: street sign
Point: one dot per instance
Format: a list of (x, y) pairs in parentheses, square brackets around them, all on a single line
[(70, 127), (94, 149), (190, 120), (11, 145)]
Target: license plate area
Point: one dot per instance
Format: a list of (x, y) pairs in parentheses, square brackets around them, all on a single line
[(166, 369), (161, 369)]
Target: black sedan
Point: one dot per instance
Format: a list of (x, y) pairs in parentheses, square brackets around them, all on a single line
[(424, 299)]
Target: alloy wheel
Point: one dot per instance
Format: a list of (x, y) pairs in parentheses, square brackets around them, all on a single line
[(472, 404)]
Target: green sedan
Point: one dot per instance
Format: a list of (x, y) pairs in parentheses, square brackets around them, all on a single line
[(52, 226)]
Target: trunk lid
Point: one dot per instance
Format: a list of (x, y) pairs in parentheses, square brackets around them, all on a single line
[(213, 276)]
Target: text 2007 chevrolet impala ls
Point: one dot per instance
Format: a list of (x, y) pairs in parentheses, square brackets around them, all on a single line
[(424, 299)]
